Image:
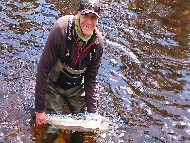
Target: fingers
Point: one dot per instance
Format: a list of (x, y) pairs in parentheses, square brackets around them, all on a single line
[(40, 118), (40, 121)]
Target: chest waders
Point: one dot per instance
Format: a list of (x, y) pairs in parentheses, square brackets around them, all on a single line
[(59, 99), (66, 85)]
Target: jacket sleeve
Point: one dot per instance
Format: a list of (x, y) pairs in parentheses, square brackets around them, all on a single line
[(47, 60), (90, 81)]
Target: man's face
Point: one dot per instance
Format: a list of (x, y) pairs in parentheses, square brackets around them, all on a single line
[(87, 22)]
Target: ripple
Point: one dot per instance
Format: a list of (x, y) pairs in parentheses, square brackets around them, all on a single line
[(143, 79)]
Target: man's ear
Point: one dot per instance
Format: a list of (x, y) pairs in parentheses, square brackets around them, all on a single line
[(78, 14)]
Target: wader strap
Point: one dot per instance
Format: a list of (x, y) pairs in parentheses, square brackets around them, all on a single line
[(72, 71), (59, 67)]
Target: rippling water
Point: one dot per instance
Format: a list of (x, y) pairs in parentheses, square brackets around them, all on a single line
[(144, 79)]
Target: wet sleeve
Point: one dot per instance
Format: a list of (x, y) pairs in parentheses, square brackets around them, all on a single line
[(90, 81), (47, 60)]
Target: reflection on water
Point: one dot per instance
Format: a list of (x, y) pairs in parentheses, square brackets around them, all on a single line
[(144, 79)]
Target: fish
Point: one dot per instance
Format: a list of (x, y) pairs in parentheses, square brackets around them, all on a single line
[(81, 122)]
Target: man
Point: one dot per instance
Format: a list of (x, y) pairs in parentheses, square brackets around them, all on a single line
[(68, 66)]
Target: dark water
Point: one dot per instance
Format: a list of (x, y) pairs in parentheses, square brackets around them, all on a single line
[(144, 79)]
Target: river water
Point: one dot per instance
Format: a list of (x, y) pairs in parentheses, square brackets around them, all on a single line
[(144, 78)]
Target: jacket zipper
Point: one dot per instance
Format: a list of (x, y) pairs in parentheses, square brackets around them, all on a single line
[(79, 54)]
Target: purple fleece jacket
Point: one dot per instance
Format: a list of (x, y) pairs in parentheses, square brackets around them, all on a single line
[(55, 48)]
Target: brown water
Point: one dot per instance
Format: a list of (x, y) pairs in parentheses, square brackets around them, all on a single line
[(144, 79)]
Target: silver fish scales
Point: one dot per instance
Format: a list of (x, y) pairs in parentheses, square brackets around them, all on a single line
[(80, 122)]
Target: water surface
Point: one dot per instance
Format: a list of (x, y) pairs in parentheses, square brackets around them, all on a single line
[(144, 78)]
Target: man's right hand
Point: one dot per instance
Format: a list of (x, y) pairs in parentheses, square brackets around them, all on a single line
[(40, 118)]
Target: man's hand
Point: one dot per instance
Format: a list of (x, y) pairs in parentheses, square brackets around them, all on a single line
[(40, 118)]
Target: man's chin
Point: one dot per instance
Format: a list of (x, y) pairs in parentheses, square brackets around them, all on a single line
[(87, 33)]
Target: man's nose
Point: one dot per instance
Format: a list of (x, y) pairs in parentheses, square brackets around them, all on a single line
[(89, 20)]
